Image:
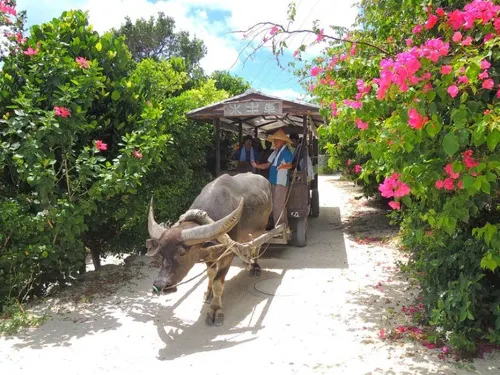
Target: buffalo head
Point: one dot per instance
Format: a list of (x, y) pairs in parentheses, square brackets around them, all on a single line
[(184, 244)]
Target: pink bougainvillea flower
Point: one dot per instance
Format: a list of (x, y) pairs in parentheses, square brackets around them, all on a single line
[(439, 184), (5, 8), (363, 88), (62, 111), (457, 37), (463, 79), (485, 64), (83, 62), (353, 104), (449, 170), (393, 187), (361, 125), (467, 41), (100, 145), (496, 24), (440, 12), (488, 37), (349, 162), (460, 184), (417, 29), (333, 107), (429, 345), (453, 91), (20, 39), (30, 52), (483, 75), (431, 22), (469, 161), (401, 329), (137, 154), (274, 30), (417, 330), (446, 69), (488, 84), (381, 334), (456, 19), (352, 52), (296, 53), (358, 168), (448, 184), (409, 42), (395, 205), (415, 119), (445, 349), (428, 87), (315, 70)]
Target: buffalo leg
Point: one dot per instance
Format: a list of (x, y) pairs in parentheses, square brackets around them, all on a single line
[(255, 269), (211, 272), (215, 315)]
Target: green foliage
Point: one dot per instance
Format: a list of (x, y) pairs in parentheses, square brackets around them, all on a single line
[(233, 85), (175, 180), (156, 39), (14, 317), (54, 180), (444, 148)]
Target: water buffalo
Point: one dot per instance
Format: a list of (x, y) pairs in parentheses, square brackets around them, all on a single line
[(231, 211)]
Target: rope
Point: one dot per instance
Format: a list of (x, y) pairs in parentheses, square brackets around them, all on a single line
[(225, 253)]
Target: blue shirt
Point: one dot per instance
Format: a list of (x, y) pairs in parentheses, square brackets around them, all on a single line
[(279, 177)]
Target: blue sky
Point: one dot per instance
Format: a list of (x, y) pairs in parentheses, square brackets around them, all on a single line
[(211, 21)]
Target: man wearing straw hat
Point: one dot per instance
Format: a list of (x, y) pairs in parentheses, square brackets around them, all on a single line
[(279, 162)]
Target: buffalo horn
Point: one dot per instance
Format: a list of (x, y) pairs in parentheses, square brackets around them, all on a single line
[(213, 230), (155, 230)]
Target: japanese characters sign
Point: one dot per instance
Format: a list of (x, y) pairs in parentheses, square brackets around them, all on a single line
[(256, 108)]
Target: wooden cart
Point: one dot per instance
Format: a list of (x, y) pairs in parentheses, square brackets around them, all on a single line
[(257, 114)]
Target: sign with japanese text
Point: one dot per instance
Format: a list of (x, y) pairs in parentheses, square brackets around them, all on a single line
[(257, 108)]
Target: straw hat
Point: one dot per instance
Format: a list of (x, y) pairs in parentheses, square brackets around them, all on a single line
[(280, 134)]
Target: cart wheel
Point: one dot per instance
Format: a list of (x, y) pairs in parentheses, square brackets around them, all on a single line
[(314, 203), (299, 232)]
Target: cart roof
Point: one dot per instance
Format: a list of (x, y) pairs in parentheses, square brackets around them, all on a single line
[(258, 111)]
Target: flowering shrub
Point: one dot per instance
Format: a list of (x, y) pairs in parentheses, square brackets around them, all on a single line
[(411, 93), (72, 129), (425, 117)]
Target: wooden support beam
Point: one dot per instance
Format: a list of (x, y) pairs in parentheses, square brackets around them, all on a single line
[(217, 147)]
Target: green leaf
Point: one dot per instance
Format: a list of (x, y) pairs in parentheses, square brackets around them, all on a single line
[(493, 139), (450, 144), (433, 129), (115, 95), (98, 46), (489, 262), (472, 71), (468, 181)]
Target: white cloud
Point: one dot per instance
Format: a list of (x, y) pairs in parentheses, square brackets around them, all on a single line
[(285, 94), (222, 47)]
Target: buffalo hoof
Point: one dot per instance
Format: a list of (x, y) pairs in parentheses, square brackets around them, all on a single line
[(209, 296), (215, 319), (255, 270)]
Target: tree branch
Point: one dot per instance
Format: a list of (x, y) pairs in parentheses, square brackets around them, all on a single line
[(258, 28)]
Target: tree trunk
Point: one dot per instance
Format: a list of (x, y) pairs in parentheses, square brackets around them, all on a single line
[(96, 259)]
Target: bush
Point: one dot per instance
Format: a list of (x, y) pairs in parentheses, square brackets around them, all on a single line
[(415, 106), (75, 134)]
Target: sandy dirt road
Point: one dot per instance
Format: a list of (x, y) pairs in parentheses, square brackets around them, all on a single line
[(314, 310)]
